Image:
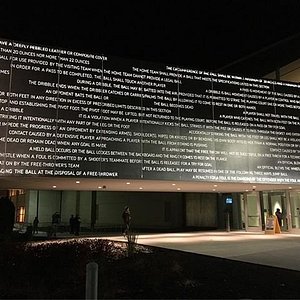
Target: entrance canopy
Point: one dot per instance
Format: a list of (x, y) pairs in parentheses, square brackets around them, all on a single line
[(136, 185)]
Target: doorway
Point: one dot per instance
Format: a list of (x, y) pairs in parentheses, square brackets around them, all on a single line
[(251, 212), (276, 200)]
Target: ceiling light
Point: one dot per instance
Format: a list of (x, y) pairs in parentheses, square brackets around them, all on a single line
[(99, 187), (141, 188), (54, 186), (127, 182), (173, 183), (215, 185), (77, 181), (178, 189)]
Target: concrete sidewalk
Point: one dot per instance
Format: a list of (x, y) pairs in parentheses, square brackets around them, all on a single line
[(279, 250)]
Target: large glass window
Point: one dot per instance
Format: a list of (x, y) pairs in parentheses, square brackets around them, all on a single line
[(295, 209), (276, 200), (250, 211)]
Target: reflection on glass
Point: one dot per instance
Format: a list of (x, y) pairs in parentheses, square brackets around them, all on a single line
[(252, 210)]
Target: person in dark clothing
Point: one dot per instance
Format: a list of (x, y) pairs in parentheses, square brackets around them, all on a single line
[(77, 222), (72, 224), (7, 216), (55, 218), (279, 216), (126, 216), (55, 222), (35, 225)]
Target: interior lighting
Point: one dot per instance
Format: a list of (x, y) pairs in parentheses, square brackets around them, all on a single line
[(21, 214), (54, 186), (77, 181), (127, 182)]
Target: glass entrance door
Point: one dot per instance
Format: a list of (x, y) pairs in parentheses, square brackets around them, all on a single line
[(277, 200), (295, 209), (251, 211)]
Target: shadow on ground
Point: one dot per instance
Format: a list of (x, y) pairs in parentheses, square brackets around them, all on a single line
[(56, 269)]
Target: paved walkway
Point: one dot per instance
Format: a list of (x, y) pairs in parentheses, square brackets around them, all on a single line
[(279, 250)]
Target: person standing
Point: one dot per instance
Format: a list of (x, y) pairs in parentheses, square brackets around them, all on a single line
[(7, 216), (35, 225), (278, 214), (77, 222), (126, 216), (55, 222), (72, 224)]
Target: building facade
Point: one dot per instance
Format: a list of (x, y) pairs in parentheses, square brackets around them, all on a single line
[(231, 142)]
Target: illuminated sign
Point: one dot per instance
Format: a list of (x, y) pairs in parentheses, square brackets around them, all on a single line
[(228, 200)]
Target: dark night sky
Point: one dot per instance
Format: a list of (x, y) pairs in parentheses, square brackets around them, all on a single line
[(205, 35)]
